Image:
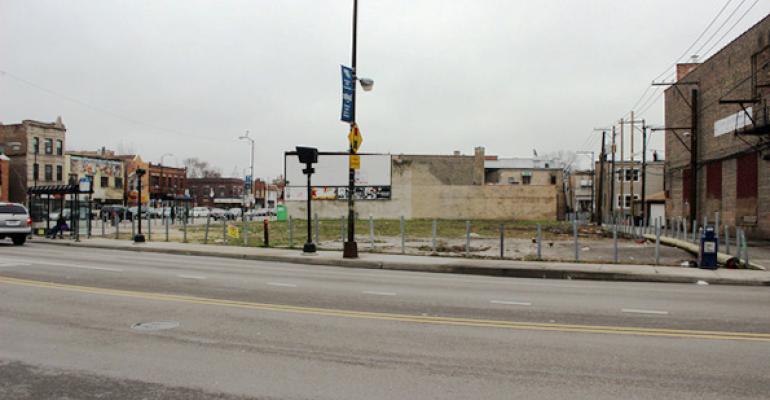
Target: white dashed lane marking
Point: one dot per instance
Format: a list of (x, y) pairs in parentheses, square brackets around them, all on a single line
[(511, 303)]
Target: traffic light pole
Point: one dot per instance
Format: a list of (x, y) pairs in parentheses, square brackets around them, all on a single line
[(350, 249)]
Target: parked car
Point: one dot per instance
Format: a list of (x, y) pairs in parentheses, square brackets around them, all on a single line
[(108, 212), (200, 212), (15, 223), (217, 213), (234, 213)]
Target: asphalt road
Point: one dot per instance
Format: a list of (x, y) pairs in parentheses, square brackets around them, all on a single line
[(244, 329)]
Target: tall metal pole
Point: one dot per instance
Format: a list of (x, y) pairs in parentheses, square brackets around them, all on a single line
[(633, 170), (351, 248), (644, 173), (623, 175)]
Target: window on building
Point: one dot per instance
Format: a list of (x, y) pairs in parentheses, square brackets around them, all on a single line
[(155, 181), (636, 174), (619, 172), (48, 172), (553, 179), (49, 146), (36, 145), (748, 178), (526, 180), (59, 173), (714, 180), (59, 147), (118, 183), (105, 182), (36, 172)]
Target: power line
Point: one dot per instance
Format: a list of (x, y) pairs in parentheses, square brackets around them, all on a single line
[(732, 27), (686, 52), (721, 26), (100, 109)]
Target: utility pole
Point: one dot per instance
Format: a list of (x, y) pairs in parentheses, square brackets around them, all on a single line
[(613, 177), (694, 156), (644, 173), (599, 217), (350, 249), (623, 174), (633, 169)]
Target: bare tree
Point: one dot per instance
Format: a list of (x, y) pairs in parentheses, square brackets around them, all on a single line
[(197, 168)]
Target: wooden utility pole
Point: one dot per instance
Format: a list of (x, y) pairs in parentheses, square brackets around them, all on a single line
[(599, 216), (613, 177), (694, 156), (644, 173), (623, 174), (634, 172)]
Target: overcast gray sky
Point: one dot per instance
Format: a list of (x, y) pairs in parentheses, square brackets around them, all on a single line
[(188, 77)]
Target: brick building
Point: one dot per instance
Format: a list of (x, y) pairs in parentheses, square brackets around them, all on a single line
[(727, 171), (621, 190), (216, 192), (4, 176), (105, 171), (166, 183), (36, 153)]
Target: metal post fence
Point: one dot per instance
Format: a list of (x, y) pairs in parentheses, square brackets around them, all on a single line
[(502, 241), (165, 222), (403, 240), (224, 230), (133, 226), (467, 238), (245, 226), (104, 218), (149, 227), (206, 230), (315, 224), (615, 243), (117, 227), (716, 225), (539, 240), (657, 244), (371, 231), (184, 229), (727, 239), (694, 229), (433, 231), (291, 232), (575, 235)]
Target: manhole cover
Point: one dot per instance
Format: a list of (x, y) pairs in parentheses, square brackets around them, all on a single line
[(154, 326)]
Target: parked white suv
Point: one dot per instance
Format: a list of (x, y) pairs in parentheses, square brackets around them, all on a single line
[(15, 223)]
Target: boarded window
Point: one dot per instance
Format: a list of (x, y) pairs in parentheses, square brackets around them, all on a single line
[(714, 180), (746, 181), (686, 178)]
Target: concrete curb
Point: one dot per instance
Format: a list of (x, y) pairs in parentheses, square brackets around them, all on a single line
[(543, 270)]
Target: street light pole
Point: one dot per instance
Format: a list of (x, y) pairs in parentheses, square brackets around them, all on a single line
[(350, 249), (251, 169), (162, 189)]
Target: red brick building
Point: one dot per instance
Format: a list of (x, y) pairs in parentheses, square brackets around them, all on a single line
[(4, 176), (216, 192), (167, 183), (717, 148)]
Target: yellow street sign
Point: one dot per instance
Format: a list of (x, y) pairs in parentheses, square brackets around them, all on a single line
[(355, 162), (233, 231), (355, 138)]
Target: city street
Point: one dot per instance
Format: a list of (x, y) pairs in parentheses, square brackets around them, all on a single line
[(78, 323)]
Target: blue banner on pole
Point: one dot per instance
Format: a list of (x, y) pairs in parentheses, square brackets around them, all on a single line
[(348, 86)]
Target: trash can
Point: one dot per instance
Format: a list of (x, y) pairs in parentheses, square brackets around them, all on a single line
[(280, 212), (709, 246)]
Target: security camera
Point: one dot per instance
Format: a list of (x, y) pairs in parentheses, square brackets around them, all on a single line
[(366, 84)]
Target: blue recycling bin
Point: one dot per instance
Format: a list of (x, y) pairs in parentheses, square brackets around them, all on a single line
[(709, 246)]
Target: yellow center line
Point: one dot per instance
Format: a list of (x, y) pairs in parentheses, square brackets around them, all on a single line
[(468, 322)]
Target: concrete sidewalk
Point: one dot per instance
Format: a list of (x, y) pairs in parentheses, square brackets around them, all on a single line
[(457, 265)]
